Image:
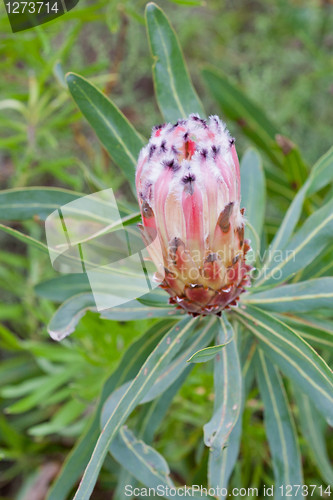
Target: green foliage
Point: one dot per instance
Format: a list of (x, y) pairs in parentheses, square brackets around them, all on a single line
[(174, 91), (280, 427), (268, 358), (253, 195), (115, 132)]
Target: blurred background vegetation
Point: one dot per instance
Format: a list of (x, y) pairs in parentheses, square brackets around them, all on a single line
[(280, 53)]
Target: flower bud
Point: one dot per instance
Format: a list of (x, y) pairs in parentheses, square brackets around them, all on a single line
[(188, 186)]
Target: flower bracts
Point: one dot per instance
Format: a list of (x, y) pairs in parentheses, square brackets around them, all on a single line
[(188, 186)]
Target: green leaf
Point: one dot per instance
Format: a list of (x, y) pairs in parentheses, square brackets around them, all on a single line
[(71, 259), (308, 242), (313, 429), (135, 310), (228, 390), (253, 195), (155, 298), (301, 297), (237, 107), (64, 417), (175, 94), (115, 132), (141, 460), (294, 357), (158, 360), (28, 240), (152, 414), (63, 287), (316, 332), (221, 463), (67, 316), (320, 267), (124, 478), (26, 203), (321, 174), (145, 464), (204, 333), (77, 460), (16, 369), (150, 418), (256, 125), (25, 387), (207, 354), (48, 385), (280, 427), (206, 329), (294, 166), (52, 352), (9, 340), (287, 225), (189, 2)]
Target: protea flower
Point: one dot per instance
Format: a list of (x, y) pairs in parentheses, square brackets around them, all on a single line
[(188, 186)]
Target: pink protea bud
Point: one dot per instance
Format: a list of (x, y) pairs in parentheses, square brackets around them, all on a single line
[(188, 186)]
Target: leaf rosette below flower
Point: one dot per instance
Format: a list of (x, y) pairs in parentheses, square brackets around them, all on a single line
[(188, 186)]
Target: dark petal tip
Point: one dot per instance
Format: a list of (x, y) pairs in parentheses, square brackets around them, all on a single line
[(224, 217), (147, 211)]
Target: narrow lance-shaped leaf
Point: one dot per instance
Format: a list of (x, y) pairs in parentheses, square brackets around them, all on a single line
[(63, 287), (146, 464), (295, 168), (280, 427), (134, 454), (77, 460), (253, 197), (124, 479), (319, 267), (155, 364), (321, 174), (221, 464), (153, 413), (26, 203), (141, 460), (256, 125), (115, 132), (67, 316), (317, 332), (308, 242), (287, 225), (207, 353), (294, 357), (200, 338), (72, 260), (25, 238), (175, 94), (313, 429), (236, 105), (150, 418), (48, 385), (228, 390), (301, 297), (68, 412), (155, 298)]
